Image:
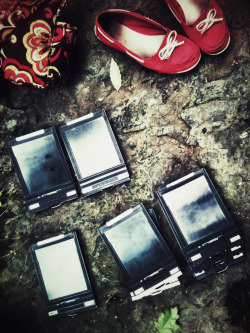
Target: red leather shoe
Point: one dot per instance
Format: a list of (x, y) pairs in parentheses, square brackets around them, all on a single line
[(147, 42), (203, 22)]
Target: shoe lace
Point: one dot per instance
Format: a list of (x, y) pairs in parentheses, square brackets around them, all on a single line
[(205, 24), (171, 44)]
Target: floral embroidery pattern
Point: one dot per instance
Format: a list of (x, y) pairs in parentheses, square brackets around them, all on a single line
[(19, 74), (11, 13), (38, 42), (37, 51)]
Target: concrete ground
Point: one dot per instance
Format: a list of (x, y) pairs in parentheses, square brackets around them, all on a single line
[(167, 126)]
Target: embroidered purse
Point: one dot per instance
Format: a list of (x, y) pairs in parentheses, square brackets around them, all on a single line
[(34, 43)]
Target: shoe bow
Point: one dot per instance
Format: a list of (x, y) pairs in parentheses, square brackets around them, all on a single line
[(205, 24), (171, 44)]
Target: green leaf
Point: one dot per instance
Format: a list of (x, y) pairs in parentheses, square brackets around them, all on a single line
[(167, 322), (167, 315), (115, 75), (165, 330), (174, 313), (161, 321)]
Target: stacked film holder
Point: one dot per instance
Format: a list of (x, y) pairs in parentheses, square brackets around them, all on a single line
[(42, 167), (207, 235), (141, 253)]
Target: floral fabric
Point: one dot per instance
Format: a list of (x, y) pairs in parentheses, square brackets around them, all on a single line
[(34, 43)]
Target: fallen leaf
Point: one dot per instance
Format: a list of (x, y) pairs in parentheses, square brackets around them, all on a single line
[(167, 322), (115, 75)]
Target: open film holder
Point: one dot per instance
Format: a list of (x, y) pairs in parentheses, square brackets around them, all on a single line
[(141, 253), (42, 169), (62, 275), (206, 233), (94, 152)]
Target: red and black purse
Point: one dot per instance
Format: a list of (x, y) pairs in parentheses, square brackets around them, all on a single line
[(34, 43)]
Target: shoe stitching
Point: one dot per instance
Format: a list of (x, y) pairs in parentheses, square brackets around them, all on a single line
[(118, 10), (131, 55), (110, 40), (205, 24), (174, 14), (171, 44)]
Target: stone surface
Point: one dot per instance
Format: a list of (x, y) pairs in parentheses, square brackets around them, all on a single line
[(166, 127)]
